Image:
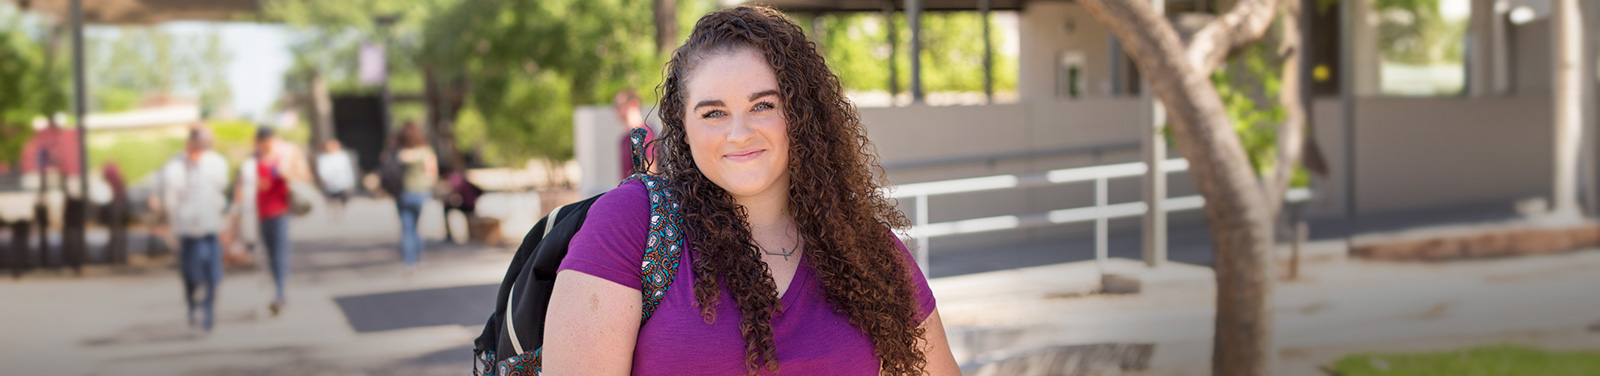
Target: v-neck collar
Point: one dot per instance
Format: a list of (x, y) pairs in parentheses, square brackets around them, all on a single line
[(802, 276)]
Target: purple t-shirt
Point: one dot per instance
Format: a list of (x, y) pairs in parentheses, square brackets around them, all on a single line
[(811, 338)]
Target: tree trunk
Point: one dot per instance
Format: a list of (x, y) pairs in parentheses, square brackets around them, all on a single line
[(1237, 209), (666, 12)]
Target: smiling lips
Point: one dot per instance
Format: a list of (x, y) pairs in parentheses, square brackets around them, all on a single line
[(744, 156)]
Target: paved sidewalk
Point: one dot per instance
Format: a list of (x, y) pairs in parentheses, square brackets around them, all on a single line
[(1335, 309), (352, 312)]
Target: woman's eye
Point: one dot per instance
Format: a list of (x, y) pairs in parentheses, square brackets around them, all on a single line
[(713, 114), (763, 106)]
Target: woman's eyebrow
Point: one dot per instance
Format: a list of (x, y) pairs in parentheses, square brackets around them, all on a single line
[(763, 94), (709, 103)]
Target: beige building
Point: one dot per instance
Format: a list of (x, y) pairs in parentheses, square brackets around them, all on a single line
[(1472, 131)]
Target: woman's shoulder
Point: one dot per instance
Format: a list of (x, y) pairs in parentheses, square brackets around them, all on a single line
[(611, 241), (622, 210), (628, 197)]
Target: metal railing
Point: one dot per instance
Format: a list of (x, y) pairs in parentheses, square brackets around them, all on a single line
[(1100, 213)]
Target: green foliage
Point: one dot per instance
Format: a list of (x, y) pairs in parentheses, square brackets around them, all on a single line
[(1249, 86), (856, 47), (1483, 361), (328, 36), (1416, 32), (137, 153), (523, 88), (30, 85), (527, 63)]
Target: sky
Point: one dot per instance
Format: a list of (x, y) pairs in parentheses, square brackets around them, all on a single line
[(260, 55)]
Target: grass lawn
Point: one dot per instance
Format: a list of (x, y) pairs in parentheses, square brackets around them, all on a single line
[(1478, 361)]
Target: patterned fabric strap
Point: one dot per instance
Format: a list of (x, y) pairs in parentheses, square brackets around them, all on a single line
[(665, 244), (636, 142), (662, 251)]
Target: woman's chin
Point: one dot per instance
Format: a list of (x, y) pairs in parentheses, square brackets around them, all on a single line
[(744, 186)]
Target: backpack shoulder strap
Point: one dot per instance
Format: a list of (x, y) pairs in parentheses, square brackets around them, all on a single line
[(663, 247)]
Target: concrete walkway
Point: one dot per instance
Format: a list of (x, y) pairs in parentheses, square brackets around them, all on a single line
[(1335, 309), (352, 311)]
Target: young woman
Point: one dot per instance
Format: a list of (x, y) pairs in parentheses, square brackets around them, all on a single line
[(791, 266), (421, 173)]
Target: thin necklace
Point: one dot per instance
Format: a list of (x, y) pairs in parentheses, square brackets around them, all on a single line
[(786, 252)]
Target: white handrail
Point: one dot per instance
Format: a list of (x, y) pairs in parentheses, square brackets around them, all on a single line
[(1100, 213)]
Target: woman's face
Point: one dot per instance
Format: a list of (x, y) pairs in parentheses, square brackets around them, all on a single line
[(734, 124)]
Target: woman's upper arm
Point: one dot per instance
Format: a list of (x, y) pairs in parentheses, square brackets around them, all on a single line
[(591, 327), (594, 316), (940, 360)]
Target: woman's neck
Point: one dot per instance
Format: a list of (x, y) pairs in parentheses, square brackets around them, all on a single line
[(768, 210)]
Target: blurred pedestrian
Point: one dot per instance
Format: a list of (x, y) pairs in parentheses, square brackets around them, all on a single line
[(421, 173), (336, 169), (463, 197), (116, 213), (193, 189), (626, 104), (276, 164)]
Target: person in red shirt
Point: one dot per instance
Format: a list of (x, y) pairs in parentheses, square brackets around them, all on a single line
[(276, 164), (626, 104)]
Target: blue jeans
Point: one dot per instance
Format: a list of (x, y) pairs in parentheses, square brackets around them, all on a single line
[(409, 205), (275, 236), (200, 258)]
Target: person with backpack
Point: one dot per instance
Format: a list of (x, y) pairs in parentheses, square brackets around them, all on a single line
[(764, 245), (420, 172)]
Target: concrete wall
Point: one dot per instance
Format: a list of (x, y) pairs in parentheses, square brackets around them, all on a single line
[(1421, 153), (1046, 30), (596, 136), (1418, 153)]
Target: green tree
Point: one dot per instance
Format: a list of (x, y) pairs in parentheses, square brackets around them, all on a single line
[(31, 86), (328, 35), (528, 62)]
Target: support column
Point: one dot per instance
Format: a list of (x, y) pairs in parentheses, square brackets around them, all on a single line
[(1363, 49), (1567, 27), (1155, 181), (79, 103), (894, 68), (1348, 72), (1480, 57), (1500, 52), (914, 19), (988, 54)]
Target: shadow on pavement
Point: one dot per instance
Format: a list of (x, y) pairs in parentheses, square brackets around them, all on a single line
[(419, 308)]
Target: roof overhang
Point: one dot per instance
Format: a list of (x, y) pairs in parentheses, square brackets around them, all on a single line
[(144, 12), (814, 6)]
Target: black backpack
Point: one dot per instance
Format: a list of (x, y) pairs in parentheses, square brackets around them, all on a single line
[(514, 335), (392, 175)]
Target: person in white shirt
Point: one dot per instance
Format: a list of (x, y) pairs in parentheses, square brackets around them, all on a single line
[(193, 188), (336, 169)]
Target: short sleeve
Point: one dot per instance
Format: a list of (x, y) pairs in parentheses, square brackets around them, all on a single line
[(611, 243), (919, 282)]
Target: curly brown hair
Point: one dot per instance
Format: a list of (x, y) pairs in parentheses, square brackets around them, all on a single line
[(843, 218)]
